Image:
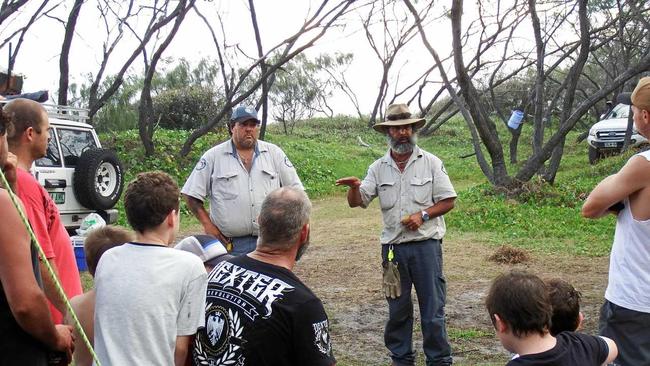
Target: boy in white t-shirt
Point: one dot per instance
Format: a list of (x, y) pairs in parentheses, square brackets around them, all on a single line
[(150, 297)]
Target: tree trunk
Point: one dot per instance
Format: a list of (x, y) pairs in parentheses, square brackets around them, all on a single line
[(65, 52), (484, 126), (514, 142), (146, 119), (265, 84), (538, 122), (383, 85), (571, 82)]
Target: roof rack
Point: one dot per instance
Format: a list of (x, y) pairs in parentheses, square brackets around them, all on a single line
[(63, 112), (66, 112)]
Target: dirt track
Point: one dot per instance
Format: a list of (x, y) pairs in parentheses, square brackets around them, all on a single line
[(342, 267)]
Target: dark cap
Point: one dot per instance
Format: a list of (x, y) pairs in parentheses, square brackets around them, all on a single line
[(244, 113)]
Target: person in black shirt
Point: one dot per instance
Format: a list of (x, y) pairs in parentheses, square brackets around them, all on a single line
[(520, 309), (257, 311), (27, 333)]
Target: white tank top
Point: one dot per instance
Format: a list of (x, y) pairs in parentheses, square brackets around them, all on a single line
[(629, 263)]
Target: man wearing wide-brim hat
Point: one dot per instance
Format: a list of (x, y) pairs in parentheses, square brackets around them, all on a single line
[(414, 192)]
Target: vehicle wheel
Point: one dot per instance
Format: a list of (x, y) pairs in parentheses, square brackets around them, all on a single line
[(98, 179), (594, 155)]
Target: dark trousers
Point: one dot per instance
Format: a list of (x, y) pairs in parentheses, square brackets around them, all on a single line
[(630, 330), (243, 244), (420, 265)]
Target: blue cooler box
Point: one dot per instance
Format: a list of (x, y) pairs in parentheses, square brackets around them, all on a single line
[(80, 256)]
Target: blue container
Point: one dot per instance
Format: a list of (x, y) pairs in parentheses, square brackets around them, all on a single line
[(516, 118), (79, 255)]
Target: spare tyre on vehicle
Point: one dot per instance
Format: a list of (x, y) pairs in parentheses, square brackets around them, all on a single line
[(98, 179)]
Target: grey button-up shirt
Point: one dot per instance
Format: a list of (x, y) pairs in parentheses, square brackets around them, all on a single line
[(235, 194), (423, 183)]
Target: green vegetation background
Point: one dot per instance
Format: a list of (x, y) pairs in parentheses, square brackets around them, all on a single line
[(544, 218)]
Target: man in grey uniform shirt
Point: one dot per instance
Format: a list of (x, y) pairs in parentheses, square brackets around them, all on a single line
[(236, 176), (414, 192)]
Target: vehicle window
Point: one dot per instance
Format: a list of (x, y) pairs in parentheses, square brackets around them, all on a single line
[(620, 111), (74, 143), (52, 157)]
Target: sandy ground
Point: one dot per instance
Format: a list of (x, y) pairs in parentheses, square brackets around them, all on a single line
[(342, 266)]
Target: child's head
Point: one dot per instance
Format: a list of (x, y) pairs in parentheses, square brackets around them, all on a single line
[(565, 301), (518, 304), (149, 199), (102, 239)]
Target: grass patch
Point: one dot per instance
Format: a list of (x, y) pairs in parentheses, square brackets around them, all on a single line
[(458, 334)]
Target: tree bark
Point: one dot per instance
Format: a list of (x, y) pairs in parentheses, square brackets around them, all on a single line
[(265, 84), (64, 71), (538, 121), (146, 118), (570, 90)]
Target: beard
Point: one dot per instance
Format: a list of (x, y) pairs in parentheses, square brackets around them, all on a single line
[(302, 249), (246, 142), (400, 146)]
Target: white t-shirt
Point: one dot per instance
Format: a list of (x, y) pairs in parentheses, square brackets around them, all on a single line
[(146, 296), (629, 263)]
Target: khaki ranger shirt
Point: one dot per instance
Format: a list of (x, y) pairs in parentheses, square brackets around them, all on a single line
[(423, 183), (235, 194)]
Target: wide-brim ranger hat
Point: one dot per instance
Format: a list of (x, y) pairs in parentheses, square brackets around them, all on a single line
[(398, 115), (206, 247)]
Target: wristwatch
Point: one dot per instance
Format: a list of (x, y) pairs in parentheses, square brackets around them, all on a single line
[(425, 216)]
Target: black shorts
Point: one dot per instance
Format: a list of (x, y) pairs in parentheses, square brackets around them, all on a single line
[(630, 330)]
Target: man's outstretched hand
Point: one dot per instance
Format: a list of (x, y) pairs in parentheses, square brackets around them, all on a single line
[(352, 182)]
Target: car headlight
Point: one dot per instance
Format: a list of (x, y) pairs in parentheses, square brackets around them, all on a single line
[(592, 133)]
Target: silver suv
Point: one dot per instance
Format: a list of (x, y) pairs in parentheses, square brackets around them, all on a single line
[(606, 137), (79, 175)]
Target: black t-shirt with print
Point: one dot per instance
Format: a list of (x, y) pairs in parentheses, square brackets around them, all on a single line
[(572, 349), (263, 315)]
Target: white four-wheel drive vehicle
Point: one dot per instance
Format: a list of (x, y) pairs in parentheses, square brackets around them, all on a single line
[(79, 175), (607, 136)]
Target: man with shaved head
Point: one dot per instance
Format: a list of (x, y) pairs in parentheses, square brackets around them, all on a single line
[(28, 141), (257, 311)]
